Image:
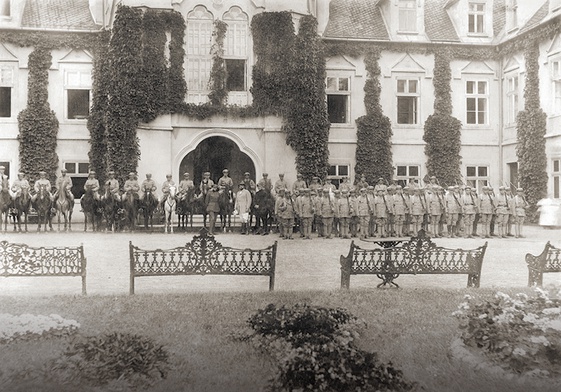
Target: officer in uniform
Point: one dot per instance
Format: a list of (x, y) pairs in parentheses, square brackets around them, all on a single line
[(453, 208), (64, 183), (19, 185), (354, 219), (287, 213), (315, 185), (502, 210), (112, 184), (362, 183), (249, 183), (417, 210), (363, 211), (299, 183), (345, 185), (212, 206), (344, 211), (225, 181), (486, 210), (381, 209), (305, 209), (92, 183), (206, 184), (4, 182), (400, 208), (165, 189), (281, 184), (42, 182), (185, 185), (279, 208), (520, 205), (148, 185), (470, 207), (326, 210), (131, 185)]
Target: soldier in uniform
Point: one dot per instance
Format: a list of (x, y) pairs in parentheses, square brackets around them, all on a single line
[(166, 185), (20, 184), (206, 184), (326, 211), (315, 185), (131, 185), (502, 206), (453, 209), (470, 207), (381, 209), (362, 183), (520, 205), (288, 214), (345, 185), (148, 185), (299, 183), (305, 209), (63, 183), (212, 207), (185, 185), (279, 208), (242, 206), (417, 210), (486, 210), (380, 186), (226, 181), (354, 221), (400, 208), (336, 225), (363, 211), (344, 211), (112, 184), (281, 184), (329, 185), (370, 195), (266, 183), (390, 225), (4, 181), (249, 183), (42, 182)]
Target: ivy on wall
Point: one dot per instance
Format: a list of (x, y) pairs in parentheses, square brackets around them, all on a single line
[(306, 122), (176, 84), (442, 130), (38, 125), (219, 94), (531, 130), (374, 130)]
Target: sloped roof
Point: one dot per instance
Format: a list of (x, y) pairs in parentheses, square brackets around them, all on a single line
[(438, 25), (58, 14), (535, 20), (499, 16), (360, 19)]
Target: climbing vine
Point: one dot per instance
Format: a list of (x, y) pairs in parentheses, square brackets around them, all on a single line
[(442, 130), (176, 84), (38, 125), (531, 130), (219, 92), (306, 123), (374, 130)]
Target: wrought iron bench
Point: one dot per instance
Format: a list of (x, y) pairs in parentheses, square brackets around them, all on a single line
[(203, 256), (26, 261), (547, 261), (419, 255)]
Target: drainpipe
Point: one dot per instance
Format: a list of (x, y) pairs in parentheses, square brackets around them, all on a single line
[(501, 122)]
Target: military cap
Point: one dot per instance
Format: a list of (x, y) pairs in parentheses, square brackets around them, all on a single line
[(345, 191), (2, 168), (246, 174), (519, 189), (241, 184), (325, 189), (451, 188), (21, 174), (111, 172), (313, 193), (398, 187), (468, 188), (336, 191), (502, 188), (363, 189), (265, 174), (315, 178), (432, 177), (92, 173), (63, 170), (43, 173), (405, 188), (353, 190), (185, 174), (132, 174), (281, 190), (298, 175), (370, 187), (305, 189), (206, 173), (168, 175)]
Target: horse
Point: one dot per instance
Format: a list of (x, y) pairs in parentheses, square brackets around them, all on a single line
[(226, 203), (64, 204), (130, 207), (91, 207), (111, 204), (185, 209), (148, 205), (43, 205), (169, 205), (22, 205), (5, 205), (263, 207)]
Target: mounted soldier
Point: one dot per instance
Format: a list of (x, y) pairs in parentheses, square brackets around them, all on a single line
[(112, 184), (42, 182), (131, 185), (20, 184), (148, 185)]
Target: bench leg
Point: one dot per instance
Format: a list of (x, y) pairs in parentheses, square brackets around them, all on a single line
[(387, 279)]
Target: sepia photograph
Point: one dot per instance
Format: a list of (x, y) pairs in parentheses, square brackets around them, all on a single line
[(280, 195)]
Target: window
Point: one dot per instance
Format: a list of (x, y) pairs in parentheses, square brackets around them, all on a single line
[(556, 80), (78, 85), (235, 49), (336, 173), (78, 172), (512, 98), (407, 15), (5, 8), (338, 92), (476, 18), (476, 102), (556, 174), (512, 14), (407, 101), (6, 165), (6, 84), (477, 177), (199, 59), (406, 174)]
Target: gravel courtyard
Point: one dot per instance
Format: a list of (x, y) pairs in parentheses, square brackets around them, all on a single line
[(301, 265)]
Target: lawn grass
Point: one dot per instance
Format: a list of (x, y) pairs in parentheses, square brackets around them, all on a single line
[(413, 328)]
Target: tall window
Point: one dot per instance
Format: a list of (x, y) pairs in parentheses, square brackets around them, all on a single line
[(6, 85), (78, 85), (407, 174), (407, 101), (476, 17), (512, 14), (78, 173), (235, 49), (199, 59), (5, 8), (336, 173), (512, 98), (556, 87), (477, 176), (476, 102), (556, 174), (407, 15), (338, 92), (6, 165)]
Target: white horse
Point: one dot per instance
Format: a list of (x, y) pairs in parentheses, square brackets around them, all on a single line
[(169, 209)]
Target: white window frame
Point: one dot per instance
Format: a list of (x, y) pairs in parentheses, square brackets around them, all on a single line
[(512, 88), (77, 172), (405, 179), (556, 177), (84, 82), (408, 94), (477, 181), (555, 72), (338, 77), (338, 176), (7, 75), (199, 59), (3, 4), (479, 106), (512, 14), (407, 16), (477, 15), (236, 47)]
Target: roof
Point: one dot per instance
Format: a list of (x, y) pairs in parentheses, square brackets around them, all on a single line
[(535, 20), (360, 19), (499, 16), (58, 14), (438, 25)]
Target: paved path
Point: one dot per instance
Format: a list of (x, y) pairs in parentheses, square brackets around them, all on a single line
[(301, 265)]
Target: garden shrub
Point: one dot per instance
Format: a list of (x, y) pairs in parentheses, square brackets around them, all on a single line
[(315, 351)]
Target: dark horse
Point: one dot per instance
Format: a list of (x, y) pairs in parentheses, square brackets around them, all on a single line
[(148, 205), (22, 205), (43, 205), (64, 204), (111, 205), (226, 203), (129, 201), (185, 208), (5, 203), (91, 207), (263, 207)]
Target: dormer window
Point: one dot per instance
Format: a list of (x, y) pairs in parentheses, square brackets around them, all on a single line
[(476, 18), (512, 14), (407, 10), (5, 9)]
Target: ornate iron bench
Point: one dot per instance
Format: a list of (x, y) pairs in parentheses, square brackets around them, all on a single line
[(547, 261), (419, 255), (26, 261), (203, 256)]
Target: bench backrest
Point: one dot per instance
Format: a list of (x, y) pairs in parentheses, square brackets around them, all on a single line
[(24, 260), (552, 259)]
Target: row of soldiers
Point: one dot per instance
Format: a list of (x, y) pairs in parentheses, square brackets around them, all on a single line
[(384, 211)]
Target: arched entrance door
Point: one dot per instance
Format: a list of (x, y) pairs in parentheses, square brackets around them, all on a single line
[(215, 154)]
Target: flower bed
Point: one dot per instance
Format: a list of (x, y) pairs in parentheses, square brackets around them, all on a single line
[(30, 327), (520, 334)]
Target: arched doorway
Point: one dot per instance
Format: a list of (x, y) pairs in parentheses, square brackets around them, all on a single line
[(215, 154)]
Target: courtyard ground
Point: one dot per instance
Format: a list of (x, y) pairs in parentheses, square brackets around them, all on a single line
[(301, 265)]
